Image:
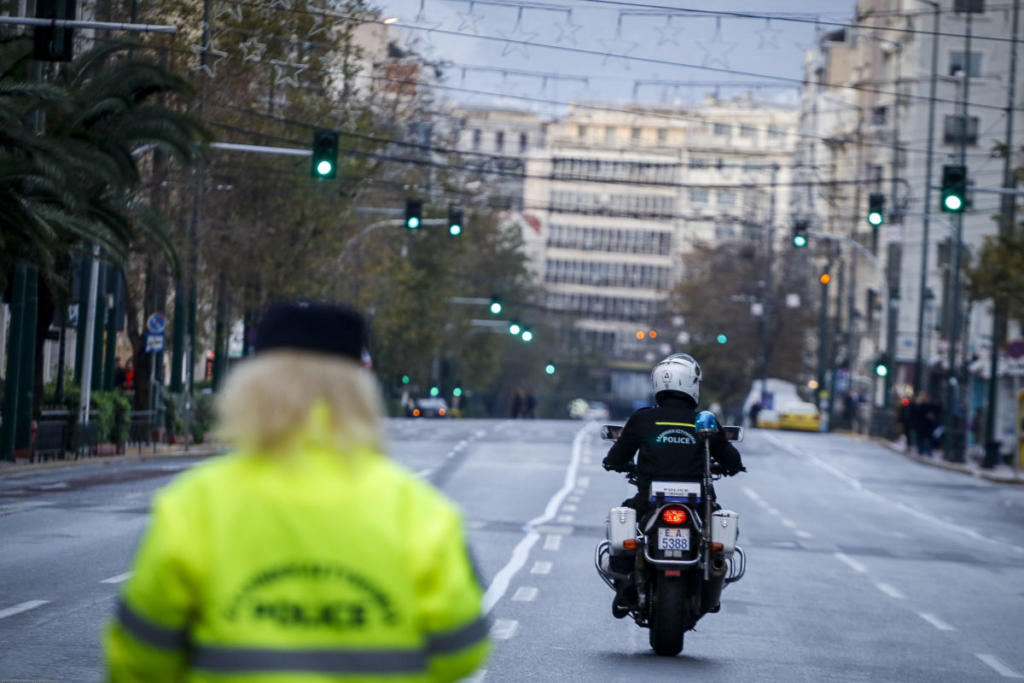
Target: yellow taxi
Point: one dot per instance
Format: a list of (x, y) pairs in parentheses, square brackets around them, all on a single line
[(800, 416), (767, 419)]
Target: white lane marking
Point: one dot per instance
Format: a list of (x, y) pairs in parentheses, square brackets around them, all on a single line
[(997, 664), (568, 507), (852, 563), (583, 482), (935, 621), (891, 591), (773, 512), (499, 584), (552, 542), (903, 506), (788, 523), (541, 567), (118, 579), (804, 534), (751, 493), (573, 499), (21, 607), (423, 473), (504, 629), (564, 519), (525, 594), (478, 677)]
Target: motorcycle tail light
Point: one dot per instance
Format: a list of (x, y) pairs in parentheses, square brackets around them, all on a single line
[(442, 412), (416, 412), (673, 516)]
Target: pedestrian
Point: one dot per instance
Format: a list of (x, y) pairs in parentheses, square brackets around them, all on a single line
[(119, 374), (531, 406), (518, 403), (755, 410), (923, 421), (305, 555), (129, 375)]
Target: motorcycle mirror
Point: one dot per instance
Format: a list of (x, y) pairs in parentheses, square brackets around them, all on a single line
[(733, 433), (611, 432)]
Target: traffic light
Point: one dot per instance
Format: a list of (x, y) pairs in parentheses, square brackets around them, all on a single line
[(882, 366), (514, 329), (824, 278), (405, 379), (721, 338), (54, 44), (954, 188), (800, 233), (876, 209), (454, 221), (435, 391), (527, 336), (413, 213), (495, 305), (325, 154), (457, 392), (549, 368)]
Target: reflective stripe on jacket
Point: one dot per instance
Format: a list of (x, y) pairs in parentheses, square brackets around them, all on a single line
[(324, 567)]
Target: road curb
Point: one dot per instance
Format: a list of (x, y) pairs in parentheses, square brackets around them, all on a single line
[(951, 466), (202, 451)]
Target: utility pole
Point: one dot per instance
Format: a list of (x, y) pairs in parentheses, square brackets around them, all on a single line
[(919, 380), (953, 421), (1008, 206), (768, 289)]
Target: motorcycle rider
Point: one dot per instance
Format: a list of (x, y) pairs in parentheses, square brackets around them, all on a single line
[(664, 440)]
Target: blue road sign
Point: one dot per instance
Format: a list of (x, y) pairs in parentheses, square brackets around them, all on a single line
[(156, 323), (155, 342)]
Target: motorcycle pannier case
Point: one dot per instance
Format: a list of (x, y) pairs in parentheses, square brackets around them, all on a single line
[(725, 529), (621, 527)]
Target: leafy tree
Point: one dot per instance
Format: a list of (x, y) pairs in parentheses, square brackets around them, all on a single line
[(999, 272)]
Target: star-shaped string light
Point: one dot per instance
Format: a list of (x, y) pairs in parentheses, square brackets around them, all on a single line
[(618, 48), (716, 49), (208, 68), (252, 50), (768, 37), (668, 34), (287, 73), (567, 30), (283, 4), (233, 10), (319, 26), (523, 37), (469, 21)]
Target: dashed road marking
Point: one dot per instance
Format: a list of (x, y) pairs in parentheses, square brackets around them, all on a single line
[(891, 591), (788, 523), (583, 482), (773, 512), (751, 493), (541, 567), (552, 542), (478, 677), (851, 563), (525, 594), (564, 519), (21, 607), (569, 508), (573, 499), (423, 473), (120, 578), (504, 629), (935, 621), (804, 534), (997, 664)]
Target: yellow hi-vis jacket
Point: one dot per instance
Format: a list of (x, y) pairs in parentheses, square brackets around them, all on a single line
[(322, 566)]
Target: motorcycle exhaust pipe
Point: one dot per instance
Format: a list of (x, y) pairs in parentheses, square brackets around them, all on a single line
[(711, 590)]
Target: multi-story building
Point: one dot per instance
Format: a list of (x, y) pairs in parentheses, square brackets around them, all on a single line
[(622, 193), (893, 137)]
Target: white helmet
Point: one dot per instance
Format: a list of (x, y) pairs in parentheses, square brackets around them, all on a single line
[(678, 373)]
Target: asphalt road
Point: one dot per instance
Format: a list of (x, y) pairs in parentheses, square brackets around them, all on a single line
[(862, 565)]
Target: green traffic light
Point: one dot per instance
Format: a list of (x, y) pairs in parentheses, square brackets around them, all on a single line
[(881, 370), (953, 202), (454, 229), (875, 218), (514, 329), (434, 391), (412, 223), (405, 379), (527, 336), (721, 339), (799, 240), (549, 368), (324, 168), (495, 307), (457, 391)]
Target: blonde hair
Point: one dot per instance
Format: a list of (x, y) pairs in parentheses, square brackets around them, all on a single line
[(268, 398)]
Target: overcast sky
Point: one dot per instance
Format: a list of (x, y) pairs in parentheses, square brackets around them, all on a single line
[(652, 30)]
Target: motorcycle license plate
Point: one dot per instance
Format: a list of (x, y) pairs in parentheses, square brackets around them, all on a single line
[(673, 539)]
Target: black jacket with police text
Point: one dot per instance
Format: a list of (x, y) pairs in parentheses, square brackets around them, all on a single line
[(666, 445)]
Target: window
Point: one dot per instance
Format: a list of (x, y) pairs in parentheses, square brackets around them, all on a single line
[(524, 142), (635, 134), (954, 133), (609, 135), (875, 175), (776, 133), (662, 135), (959, 62), (581, 132), (499, 141), (748, 131), (723, 130), (699, 162), (972, 6), (478, 138), (726, 198), (699, 195), (879, 115)]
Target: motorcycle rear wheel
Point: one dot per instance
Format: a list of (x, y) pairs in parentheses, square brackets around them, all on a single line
[(667, 618)]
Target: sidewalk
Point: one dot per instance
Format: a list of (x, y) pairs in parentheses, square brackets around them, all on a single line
[(1002, 474), (132, 454)]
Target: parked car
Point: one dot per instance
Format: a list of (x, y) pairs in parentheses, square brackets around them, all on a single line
[(430, 407), (768, 419), (598, 411), (801, 416)]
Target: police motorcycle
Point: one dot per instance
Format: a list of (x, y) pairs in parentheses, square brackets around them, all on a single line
[(684, 550)]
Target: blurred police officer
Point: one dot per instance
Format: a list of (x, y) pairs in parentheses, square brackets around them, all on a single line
[(306, 555)]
